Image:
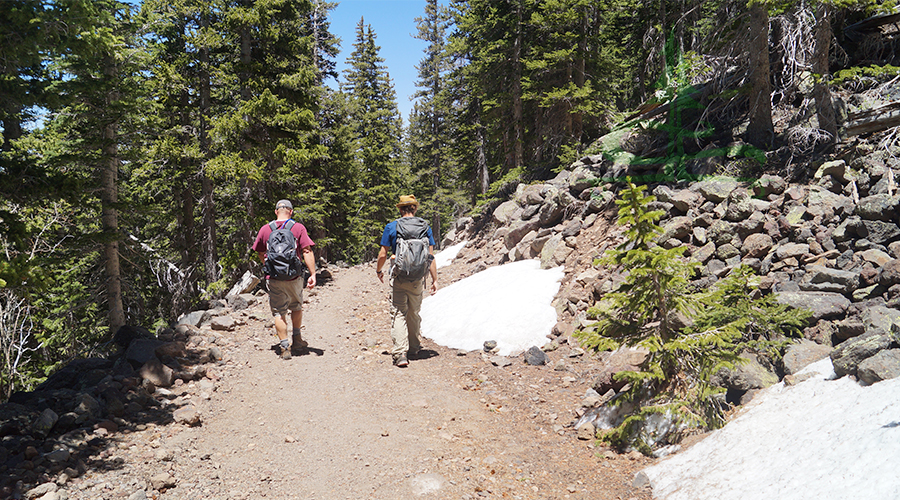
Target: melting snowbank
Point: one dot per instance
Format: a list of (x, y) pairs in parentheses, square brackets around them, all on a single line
[(508, 303), (446, 256), (819, 439)]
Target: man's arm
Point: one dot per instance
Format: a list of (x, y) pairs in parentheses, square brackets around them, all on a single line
[(433, 270), (382, 258), (310, 260)]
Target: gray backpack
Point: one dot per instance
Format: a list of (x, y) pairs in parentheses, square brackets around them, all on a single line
[(282, 262), (412, 259)]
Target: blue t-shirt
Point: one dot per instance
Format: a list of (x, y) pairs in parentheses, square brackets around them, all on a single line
[(389, 237)]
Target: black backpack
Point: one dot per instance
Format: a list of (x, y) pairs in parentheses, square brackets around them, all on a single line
[(282, 262), (412, 259)]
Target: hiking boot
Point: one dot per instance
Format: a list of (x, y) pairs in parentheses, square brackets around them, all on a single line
[(413, 354), (285, 353), (298, 345), (401, 361)]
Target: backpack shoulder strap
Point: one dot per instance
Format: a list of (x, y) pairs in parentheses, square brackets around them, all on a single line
[(274, 224)]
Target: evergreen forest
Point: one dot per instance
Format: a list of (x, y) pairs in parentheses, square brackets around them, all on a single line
[(144, 143)]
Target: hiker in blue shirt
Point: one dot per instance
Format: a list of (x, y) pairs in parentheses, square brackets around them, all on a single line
[(409, 270)]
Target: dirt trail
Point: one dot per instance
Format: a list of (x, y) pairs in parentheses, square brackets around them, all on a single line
[(343, 423)]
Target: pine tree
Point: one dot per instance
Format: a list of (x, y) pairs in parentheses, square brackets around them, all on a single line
[(674, 381), (103, 61), (377, 134), (170, 180), (492, 35), (428, 133)]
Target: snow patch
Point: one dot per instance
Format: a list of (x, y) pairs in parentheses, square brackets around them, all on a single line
[(508, 303), (446, 256), (821, 438)]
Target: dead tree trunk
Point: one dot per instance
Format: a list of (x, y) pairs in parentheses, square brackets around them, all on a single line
[(760, 131), (821, 92)]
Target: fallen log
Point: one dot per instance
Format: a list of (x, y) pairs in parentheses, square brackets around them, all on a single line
[(873, 120)]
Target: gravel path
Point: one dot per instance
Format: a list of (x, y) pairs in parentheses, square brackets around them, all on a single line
[(343, 423)]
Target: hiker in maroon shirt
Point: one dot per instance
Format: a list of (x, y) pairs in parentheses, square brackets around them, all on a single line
[(287, 295)]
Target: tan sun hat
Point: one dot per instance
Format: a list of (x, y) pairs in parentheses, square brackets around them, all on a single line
[(406, 200)]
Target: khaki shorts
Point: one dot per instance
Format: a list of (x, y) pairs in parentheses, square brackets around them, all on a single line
[(285, 296)]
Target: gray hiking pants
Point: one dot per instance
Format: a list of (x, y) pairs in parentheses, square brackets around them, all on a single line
[(406, 301)]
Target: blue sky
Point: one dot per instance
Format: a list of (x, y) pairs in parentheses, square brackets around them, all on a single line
[(393, 22)]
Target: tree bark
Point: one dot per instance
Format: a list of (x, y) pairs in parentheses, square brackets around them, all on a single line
[(760, 131), (518, 125), (184, 195), (207, 204), (109, 216), (821, 92), (482, 174)]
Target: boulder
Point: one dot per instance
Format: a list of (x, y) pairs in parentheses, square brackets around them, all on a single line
[(878, 207), (531, 194), (507, 212), (798, 356), (757, 245), (162, 481), (826, 279), (684, 200), (824, 305), (622, 359), (874, 256), (573, 228), (836, 169), (517, 230), (85, 404), (825, 204), (192, 318), (142, 350), (549, 251), (769, 184), (849, 228), (238, 302), (890, 273), (581, 179), (848, 328), (884, 365), (677, 227), (44, 423), (879, 232), (788, 250), (879, 317), (157, 373), (534, 356), (721, 232), (746, 375), (223, 323), (847, 356), (704, 253), (739, 206), (187, 415), (551, 212), (715, 190)]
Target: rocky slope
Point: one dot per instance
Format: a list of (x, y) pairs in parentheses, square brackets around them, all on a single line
[(830, 246)]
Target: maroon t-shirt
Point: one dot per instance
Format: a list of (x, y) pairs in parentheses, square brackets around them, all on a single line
[(299, 232)]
